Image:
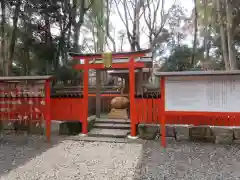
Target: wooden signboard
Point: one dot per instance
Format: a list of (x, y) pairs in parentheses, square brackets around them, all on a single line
[(202, 93)]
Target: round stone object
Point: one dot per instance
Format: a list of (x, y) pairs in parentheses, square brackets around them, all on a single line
[(119, 103)]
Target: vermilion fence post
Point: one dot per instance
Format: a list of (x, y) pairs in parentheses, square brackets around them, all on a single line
[(162, 110), (132, 97), (48, 109), (85, 97)]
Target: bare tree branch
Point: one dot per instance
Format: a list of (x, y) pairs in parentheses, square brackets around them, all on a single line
[(120, 15), (107, 27), (127, 9), (148, 23), (89, 6), (155, 12), (163, 22)]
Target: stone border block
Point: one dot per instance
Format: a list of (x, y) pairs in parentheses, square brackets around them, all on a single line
[(182, 132), (223, 135), (91, 122), (151, 131), (169, 129), (201, 133), (148, 131), (236, 132), (7, 125), (37, 128)]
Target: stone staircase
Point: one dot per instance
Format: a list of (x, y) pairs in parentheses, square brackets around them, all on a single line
[(107, 130), (110, 128)]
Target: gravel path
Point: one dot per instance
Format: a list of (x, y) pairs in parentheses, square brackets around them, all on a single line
[(23, 158)]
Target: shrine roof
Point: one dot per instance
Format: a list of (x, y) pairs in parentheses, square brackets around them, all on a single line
[(145, 56), (19, 78), (117, 53), (198, 73)]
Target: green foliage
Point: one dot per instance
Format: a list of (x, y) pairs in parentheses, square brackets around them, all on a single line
[(38, 49), (179, 60)]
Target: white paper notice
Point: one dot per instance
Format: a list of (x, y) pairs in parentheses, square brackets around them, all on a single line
[(211, 94)]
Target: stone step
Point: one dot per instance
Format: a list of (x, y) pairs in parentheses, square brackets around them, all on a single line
[(111, 126), (116, 133), (113, 121), (104, 139)]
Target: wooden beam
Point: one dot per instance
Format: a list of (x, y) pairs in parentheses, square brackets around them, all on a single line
[(114, 66), (108, 95), (135, 54)]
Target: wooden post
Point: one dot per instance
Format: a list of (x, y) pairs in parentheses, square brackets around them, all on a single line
[(48, 109), (162, 110), (98, 89), (85, 96), (132, 96), (140, 81)]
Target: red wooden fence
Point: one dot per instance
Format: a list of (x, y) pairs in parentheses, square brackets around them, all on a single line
[(147, 110), (66, 109)]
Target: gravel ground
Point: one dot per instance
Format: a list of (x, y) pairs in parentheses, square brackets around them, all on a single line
[(23, 158)]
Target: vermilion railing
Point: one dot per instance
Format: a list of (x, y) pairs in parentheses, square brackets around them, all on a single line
[(147, 110), (66, 109), (197, 120)]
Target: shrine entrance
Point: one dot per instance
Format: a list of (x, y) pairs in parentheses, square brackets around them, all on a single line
[(104, 62)]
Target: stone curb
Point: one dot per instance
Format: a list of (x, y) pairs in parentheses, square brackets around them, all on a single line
[(57, 127), (216, 134)]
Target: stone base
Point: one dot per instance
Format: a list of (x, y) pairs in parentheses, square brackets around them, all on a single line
[(224, 135), (236, 132), (132, 137), (148, 131), (70, 128), (201, 133), (118, 114), (91, 122), (236, 141), (182, 132), (7, 125), (36, 128), (169, 131)]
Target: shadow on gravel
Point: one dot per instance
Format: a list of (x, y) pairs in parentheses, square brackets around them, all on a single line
[(187, 160), (16, 150)]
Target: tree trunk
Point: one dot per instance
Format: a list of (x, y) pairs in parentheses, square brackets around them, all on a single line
[(3, 22), (76, 38), (107, 27), (232, 58), (48, 42), (26, 60), (100, 76), (121, 44), (77, 24), (136, 21), (195, 33), (223, 37), (205, 35), (13, 38)]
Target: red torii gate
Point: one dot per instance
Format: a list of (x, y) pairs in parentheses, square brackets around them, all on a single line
[(131, 65)]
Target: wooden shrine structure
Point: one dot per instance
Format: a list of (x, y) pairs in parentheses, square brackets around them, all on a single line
[(110, 61)]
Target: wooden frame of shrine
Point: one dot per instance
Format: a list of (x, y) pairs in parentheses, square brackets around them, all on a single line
[(110, 63)]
